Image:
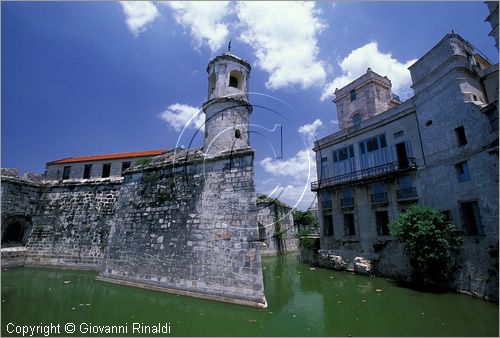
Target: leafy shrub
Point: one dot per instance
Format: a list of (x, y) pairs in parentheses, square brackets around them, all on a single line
[(429, 242)]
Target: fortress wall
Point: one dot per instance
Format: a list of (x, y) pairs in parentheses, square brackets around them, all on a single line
[(274, 219), (190, 230), (71, 225)]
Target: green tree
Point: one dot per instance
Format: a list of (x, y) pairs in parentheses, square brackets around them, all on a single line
[(303, 218), (429, 242)]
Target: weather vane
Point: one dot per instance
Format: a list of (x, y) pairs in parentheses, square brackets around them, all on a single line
[(229, 46)]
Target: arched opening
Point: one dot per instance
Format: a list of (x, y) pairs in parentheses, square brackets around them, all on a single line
[(237, 133), (15, 230), (235, 79), (356, 119)]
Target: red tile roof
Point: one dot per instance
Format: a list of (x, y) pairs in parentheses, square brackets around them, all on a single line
[(111, 156)]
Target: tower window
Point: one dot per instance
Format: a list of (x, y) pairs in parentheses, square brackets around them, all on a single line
[(233, 82), (235, 79), (460, 132), (237, 133)]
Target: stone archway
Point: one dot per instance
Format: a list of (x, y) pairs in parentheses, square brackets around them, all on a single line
[(15, 230)]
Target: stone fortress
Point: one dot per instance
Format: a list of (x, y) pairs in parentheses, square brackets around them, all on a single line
[(185, 221)]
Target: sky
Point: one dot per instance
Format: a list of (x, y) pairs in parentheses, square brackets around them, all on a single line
[(87, 78)]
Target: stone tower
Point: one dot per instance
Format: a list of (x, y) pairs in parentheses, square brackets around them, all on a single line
[(227, 109), (367, 96)]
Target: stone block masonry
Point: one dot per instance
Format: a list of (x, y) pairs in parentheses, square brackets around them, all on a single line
[(72, 224), (63, 224), (190, 229)]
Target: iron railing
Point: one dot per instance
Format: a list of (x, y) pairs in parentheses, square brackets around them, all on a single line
[(407, 193), (380, 197), (347, 202), (380, 170)]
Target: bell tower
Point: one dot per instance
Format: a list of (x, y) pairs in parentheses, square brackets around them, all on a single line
[(227, 109)]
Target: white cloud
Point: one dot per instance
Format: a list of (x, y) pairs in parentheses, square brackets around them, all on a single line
[(283, 35), (179, 115), (299, 170), (204, 19), (369, 56), (309, 130), (139, 14)]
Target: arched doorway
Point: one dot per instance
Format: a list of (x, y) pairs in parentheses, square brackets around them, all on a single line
[(15, 230)]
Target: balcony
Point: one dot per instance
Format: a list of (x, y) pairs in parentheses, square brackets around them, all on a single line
[(408, 194), (326, 204), (379, 198), (347, 202), (364, 174)]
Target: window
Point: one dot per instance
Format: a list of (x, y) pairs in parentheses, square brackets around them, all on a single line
[(237, 133), (349, 228), (125, 166), (87, 170), (346, 199), (461, 138), (106, 170), (327, 225), (382, 219), (356, 120), (326, 201), (471, 219), (235, 79), (353, 94), (372, 144), (462, 170), (66, 172), (379, 195), (343, 154), (233, 82)]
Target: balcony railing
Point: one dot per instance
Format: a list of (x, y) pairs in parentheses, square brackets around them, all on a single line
[(407, 194), (326, 204), (347, 202), (354, 176), (380, 197)]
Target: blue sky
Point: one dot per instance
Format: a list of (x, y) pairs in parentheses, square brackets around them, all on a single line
[(105, 77)]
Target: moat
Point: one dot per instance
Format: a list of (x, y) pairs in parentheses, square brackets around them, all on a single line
[(303, 301)]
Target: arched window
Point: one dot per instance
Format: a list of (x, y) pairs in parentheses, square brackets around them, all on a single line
[(356, 120), (235, 79), (237, 133)]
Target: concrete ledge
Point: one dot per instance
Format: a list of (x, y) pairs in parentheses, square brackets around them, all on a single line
[(64, 266), (185, 293)]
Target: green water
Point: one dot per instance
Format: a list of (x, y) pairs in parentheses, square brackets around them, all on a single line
[(302, 302)]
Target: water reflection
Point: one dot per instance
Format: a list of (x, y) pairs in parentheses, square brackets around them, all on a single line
[(303, 301)]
